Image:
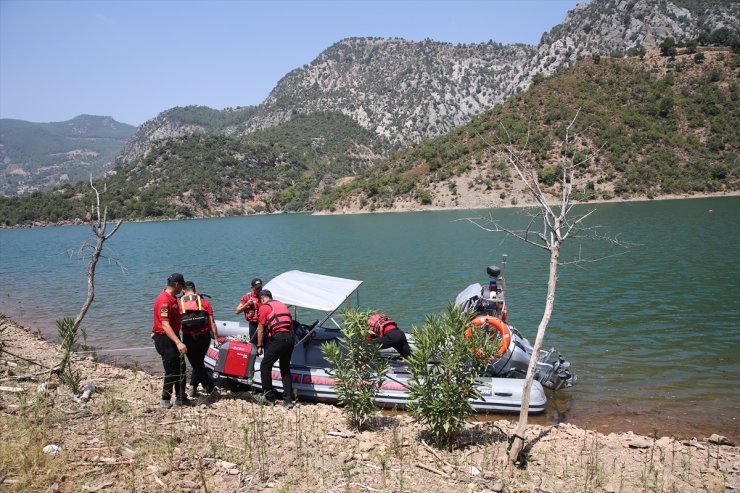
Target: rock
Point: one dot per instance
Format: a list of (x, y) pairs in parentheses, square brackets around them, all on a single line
[(720, 440), (694, 443), (474, 471), (640, 442), (51, 449), (343, 457), (498, 486), (664, 442), (233, 472)]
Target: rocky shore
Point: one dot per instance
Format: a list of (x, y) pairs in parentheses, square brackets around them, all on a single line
[(118, 439)]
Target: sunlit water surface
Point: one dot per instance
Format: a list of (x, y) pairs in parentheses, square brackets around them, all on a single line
[(651, 331)]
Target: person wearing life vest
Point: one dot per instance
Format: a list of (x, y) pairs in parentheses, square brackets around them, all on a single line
[(275, 340), (198, 327), (250, 306), (385, 331), (166, 336)]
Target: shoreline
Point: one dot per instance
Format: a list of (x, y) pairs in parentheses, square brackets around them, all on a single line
[(121, 438), (406, 208), (609, 415), (526, 204)]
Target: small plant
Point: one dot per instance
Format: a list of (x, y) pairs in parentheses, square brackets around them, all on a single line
[(358, 367), (444, 368), (68, 341)]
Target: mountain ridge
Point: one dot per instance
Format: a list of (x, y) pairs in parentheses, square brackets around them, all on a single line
[(38, 156), (407, 91)]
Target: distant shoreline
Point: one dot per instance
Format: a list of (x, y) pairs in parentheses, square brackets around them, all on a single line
[(419, 208)]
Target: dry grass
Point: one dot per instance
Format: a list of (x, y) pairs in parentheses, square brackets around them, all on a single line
[(121, 440)]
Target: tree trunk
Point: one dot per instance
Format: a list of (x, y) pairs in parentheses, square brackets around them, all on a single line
[(90, 281), (518, 443)]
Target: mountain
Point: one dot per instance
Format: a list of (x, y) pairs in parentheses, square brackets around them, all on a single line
[(653, 125), (40, 156), (205, 175), (181, 122), (619, 27), (650, 126), (663, 124), (406, 91)]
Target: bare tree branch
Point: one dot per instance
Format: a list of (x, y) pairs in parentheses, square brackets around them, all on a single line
[(557, 226)]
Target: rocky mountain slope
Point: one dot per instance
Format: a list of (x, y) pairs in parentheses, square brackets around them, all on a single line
[(653, 126), (619, 27), (406, 91), (40, 156)]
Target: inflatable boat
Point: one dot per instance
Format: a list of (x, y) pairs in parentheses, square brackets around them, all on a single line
[(309, 294)]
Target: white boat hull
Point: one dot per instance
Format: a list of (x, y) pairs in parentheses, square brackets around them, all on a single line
[(311, 381)]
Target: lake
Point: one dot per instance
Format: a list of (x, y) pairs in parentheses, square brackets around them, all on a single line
[(652, 331)]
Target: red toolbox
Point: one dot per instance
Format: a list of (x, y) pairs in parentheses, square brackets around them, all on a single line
[(236, 359)]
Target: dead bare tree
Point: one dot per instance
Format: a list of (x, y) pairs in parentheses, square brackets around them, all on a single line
[(550, 225), (99, 225)]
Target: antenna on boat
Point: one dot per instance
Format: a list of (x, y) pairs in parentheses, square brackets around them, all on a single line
[(504, 259)]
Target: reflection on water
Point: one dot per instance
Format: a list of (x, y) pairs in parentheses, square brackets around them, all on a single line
[(652, 333)]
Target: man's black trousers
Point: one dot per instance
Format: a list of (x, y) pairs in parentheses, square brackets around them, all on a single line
[(279, 348), (197, 345), (174, 367)]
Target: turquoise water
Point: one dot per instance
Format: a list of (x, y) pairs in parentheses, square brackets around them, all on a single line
[(651, 331)]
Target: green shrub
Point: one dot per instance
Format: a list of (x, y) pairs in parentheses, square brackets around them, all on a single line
[(444, 367), (358, 367)]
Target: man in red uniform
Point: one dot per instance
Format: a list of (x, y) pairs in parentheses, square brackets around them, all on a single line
[(276, 328), (198, 326), (385, 331), (250, 306), (166, 335)]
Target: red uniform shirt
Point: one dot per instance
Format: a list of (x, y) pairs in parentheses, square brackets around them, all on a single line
[(165, 308), (251, 314), (265, 311)]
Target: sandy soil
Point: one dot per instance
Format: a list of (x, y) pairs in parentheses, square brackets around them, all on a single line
[(120, 440)]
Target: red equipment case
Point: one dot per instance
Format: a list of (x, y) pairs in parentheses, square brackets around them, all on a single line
[(236, 359)]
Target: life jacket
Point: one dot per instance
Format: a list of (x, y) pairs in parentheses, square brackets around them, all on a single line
[(279, 319), (252, 314), (192, 314), (380, 325)]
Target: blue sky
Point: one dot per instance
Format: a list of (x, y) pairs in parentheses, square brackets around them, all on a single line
[(133, 59)]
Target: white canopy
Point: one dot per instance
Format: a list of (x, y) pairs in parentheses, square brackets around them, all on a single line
[(307, 290)]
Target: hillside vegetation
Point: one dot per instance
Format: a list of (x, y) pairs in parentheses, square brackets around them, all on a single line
[(406, 91), (39, 156), (660, 125), (281, 168)]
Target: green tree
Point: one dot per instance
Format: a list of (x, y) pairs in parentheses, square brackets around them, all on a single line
[(668, 47), (358, 367), (444, 366)]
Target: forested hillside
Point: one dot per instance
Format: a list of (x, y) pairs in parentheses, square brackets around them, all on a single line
[(656, 125), (40, 156), (282, 168)]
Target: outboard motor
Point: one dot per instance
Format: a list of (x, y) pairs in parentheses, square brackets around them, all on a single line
[(489, 300)]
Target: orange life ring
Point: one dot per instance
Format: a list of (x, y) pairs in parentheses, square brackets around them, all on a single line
[(486, 322)]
